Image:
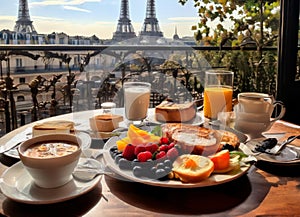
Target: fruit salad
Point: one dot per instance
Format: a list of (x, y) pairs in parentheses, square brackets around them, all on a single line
[(152, 155)]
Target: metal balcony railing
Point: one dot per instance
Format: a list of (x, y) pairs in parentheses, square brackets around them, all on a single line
[(55, 79)]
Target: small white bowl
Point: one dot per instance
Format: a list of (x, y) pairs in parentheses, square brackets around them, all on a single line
[(55, 171)]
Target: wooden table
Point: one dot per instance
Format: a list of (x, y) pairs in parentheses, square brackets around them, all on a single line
[(258, 193)]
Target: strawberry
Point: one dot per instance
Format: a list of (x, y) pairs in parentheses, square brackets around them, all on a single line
[(164, 140), (163, 148), (144, 156), (173, 153), (152, 147), (160, 154), (139, 148), (128, 152)]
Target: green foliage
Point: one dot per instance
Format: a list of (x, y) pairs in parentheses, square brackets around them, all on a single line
[(255, 23)]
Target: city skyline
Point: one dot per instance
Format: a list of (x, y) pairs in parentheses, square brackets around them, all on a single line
[(99, 17)]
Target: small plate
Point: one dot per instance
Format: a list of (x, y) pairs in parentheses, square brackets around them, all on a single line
[(289, 155), (17, 184), (214, 179), (85, 138), (197, 120)]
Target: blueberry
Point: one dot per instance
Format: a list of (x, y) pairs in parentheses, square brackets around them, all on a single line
[(160, 166), (137, 171), (125, 164), (168, 163), (118, 157), (160, 173), (228, 147), (135, 162)]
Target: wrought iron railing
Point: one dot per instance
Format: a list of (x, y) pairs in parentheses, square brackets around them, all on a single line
[(78, 82)]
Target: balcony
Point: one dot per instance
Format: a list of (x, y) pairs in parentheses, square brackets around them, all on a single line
[(38, 81)]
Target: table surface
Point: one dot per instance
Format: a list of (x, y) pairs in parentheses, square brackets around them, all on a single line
[(258, 193)]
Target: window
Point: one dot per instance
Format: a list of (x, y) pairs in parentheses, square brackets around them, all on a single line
[(19, 63)]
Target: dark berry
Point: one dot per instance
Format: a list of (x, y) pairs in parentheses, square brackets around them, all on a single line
[(168, 163), (137, 171), (228, 147), (125, 164), (118, 157), (160, 173)]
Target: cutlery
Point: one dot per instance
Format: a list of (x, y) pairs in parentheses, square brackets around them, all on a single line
[(89, 175), (89, 169), (278, 148)]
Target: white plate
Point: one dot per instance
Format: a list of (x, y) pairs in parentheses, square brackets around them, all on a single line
[(85, 138), (214, 179), (17, 184), (198, 120)]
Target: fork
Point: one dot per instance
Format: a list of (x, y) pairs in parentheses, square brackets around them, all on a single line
[(278, 148)]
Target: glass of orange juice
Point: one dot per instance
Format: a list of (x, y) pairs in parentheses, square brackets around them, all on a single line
[(218, 89)]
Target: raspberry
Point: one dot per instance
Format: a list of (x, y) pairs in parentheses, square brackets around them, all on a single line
[(173, 153), (144, 156), (139, 148), (171, 145), (163, 148), (160, 154), (152, 147), (128, 152), (164, 140)]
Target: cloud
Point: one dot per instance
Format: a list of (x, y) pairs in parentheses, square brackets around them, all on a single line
[(46, 18), (72, 8), (62, 2)]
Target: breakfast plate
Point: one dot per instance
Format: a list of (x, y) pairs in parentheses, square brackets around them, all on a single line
[(85, 138), (17, 184), (214, 179), (196, 121)]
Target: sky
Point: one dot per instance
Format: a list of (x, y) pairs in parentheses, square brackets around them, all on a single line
[(99, 17)]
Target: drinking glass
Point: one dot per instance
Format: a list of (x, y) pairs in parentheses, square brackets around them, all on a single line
[(218, 89), (136, 100)]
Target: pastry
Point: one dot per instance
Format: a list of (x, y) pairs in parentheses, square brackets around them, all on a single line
[(52, 127), (105, 122), (173, 112)]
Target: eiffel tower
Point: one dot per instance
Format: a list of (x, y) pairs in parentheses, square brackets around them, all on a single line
[(150, 26), (124, 29), (24, 24)]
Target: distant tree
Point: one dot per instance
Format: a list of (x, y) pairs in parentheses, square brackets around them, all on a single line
[(252, 22), (241, 23)]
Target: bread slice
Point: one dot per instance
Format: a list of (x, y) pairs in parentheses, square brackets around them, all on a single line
[(199, 140), (53, 127), (174, 112), (105, 122), (192, 168)]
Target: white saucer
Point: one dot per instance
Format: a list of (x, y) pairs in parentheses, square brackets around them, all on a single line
[(196, 121), (17, 184), (85, 138)]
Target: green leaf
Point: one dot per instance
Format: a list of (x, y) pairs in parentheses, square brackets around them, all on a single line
[(157, 131)]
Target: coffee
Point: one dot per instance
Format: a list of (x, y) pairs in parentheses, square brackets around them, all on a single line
[(50, 150), (136, 102)]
